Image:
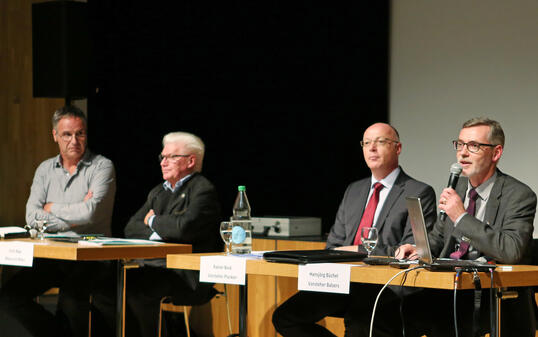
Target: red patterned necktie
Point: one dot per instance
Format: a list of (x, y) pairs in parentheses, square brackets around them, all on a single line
[(369, 212), (471, 209)]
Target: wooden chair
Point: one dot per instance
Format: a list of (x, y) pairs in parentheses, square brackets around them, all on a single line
[(167, 305)]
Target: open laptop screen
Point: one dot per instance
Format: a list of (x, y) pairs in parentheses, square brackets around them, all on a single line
[(416, 217)]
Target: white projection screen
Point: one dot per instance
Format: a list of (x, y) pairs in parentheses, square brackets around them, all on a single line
[(452, 60)]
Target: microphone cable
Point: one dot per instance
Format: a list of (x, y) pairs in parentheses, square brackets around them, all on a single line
[(492, 315), (383, 288), (477, 301)]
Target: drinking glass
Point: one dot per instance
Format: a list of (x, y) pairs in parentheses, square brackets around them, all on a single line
[(369, 238), (226, 234), (41, 226)]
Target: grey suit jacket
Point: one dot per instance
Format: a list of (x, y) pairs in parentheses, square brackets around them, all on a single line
[(393, 223), (505, 235)]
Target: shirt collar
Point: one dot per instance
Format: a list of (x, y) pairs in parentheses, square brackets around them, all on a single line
[(168, 186), (483, 190), (86, 159), (389, 180)]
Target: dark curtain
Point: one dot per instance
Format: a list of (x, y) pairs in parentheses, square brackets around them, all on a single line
[(280, 92)]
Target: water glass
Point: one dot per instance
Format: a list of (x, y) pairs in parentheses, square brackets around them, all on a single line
[(226, 235), (369, 238), (41, 226)]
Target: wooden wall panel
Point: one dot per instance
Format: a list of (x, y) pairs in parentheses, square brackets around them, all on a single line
[(25, 128)]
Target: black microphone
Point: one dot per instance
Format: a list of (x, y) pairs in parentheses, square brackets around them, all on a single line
[(455, 171)]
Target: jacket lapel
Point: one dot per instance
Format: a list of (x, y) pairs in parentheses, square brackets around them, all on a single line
[(181, 197), (492, 207), (178, 206), (356, 215)]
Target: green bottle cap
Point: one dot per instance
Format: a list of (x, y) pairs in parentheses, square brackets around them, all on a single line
[(241, 188)]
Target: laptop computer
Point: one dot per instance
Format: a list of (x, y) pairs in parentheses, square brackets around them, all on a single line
[(422, 243), (313, 256), (380, 260)]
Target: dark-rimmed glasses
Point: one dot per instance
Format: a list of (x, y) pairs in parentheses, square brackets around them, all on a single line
[(172, 157), (473, 147)]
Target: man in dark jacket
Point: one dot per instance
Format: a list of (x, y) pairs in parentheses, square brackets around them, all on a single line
[(381, 146), (184, 209)]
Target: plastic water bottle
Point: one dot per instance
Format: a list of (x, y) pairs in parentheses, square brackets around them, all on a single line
[(242, 228)]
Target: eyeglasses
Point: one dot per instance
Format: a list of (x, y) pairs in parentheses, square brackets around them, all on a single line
[(172, 157), (473, 147), (66, 137), (377, 142)]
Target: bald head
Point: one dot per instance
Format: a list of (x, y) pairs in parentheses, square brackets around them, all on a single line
[(381, 147), (384, 127)]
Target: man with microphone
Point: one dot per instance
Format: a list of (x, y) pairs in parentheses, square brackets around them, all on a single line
[(489, 217)]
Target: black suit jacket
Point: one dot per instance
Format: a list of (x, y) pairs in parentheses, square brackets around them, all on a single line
[(189, 215), (393, 223)]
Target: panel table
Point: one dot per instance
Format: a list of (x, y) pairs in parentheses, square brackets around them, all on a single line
[(49, 249), (518, 276)]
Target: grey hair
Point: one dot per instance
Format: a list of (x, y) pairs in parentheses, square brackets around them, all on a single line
[(192, 143), (496, 133), (68, 111)]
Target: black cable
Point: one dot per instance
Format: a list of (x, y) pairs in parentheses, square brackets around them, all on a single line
[(477, 302), (402, 317), (404, 279), (492, 325)]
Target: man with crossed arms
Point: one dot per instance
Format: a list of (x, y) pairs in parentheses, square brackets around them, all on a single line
[(182, 209), (377, 201), (74, 192), (497, 225)]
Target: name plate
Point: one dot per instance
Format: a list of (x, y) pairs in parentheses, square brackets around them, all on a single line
[(17, 253), (223, 269), (324, 277)]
